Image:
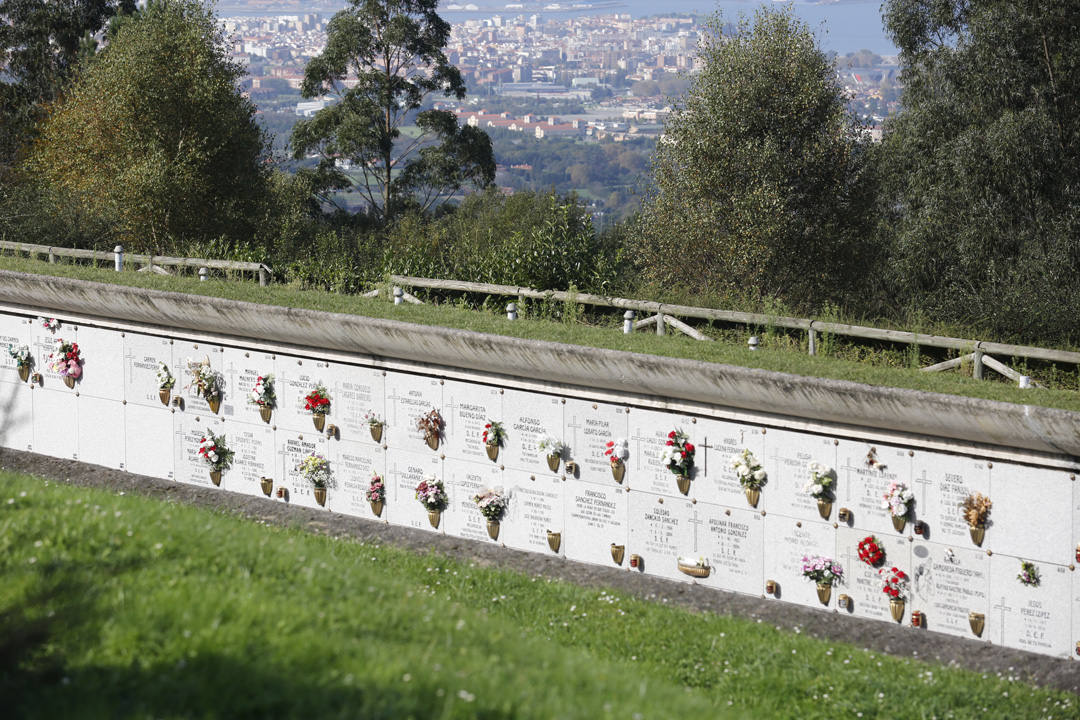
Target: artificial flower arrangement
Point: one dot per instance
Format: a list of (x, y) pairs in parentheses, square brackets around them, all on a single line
[(820, 487), (432, 495), (315, 469), (493, 505), (825, 572), (165, 381), (694, 566), (66, 361), (751, 475), (375, 425), (493, 437), (431, 424), (206, 382), (50, 324), (897, 500), (678, 455), (554, 448), (617, 451), (896, 587), (376, 494), (870, 551), (1029, 574), (263, 396), (317, 402), (24, 360), (216, 453), (976, 511)]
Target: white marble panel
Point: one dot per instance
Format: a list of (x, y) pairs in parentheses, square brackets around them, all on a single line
[(864, 584), (242, 369), (864, 471), (529, 418), (103, 363), (101, 431), (292, 449), (16, 415), (42, 344), (536, 506), (296, 377), (596, 518), (949, 582), (150, 433), (405, 469), (787, 458), (183, 351), (785, 545), (464, 480), (189, 467), (648, 433), (945, 480), (355, 462), (14, 331), (734, 541), (142, 353), (468, 407), (722, 441), (1036, 619), (56, 422), (357, 391), (1032, 515), (589, 426), (255, 457), (408, 397), (662, 529)]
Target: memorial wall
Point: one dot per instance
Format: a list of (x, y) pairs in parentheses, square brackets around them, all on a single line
[(693, 492)]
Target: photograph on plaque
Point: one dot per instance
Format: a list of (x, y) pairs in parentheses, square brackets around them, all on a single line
[(464, 480), (733, 540), (144, 374), (101, 423), (149, 434), (355, 463), (867, 571), (467, 409), (534, 520), (1030, 517), (663, 530), (1031, 603), (720, 442), (865, 472), (790, 457), (243, 370), (785, 546), (530, 418), (649, 435), (409, 398), (595, 522), (945, 480), (405, 469), (103, 363), (950, 586), (588, 429)]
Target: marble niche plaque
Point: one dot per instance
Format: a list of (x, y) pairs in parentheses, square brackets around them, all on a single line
[(405, 469), (42, 344), (648, 437), (103, 363), (189, 466), (408, 398), (464, 480), (865, 471), (242, 370), (185, 351), (100, 425), (16, 416), (355, 463), (359, 391), (720, 442), (734, 541), (945, 480), (529, 418), (785, 545), (1031, 516), (787, 459), (865, 585), (1037, 619), (662, 529), (56, 421), (292, 449), (948, 583), (142, 353), (14, 333), (589, 427), (295, 379), (468, 407), (595, 518), (255, 457), (536, 507), (149, 433)]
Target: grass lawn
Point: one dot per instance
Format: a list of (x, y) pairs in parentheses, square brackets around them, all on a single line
[(779, 358), (122, 606)]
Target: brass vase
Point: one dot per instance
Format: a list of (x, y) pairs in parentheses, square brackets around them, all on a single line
[(617, 552), (267, 485), (492, 450), (432, 440), (896, 609), (977, 621), (618, 471), (266, 412), (376, 507), (24, 372), (824, 508), (695, 571), (553, 463), (319, 419), (320, 496), (164, 394), (434, 516), (683, 482), (493, 529), (899, 522), (824, 592), (215, 477), (215, 403), (376, 431), (978, 534), (752, 496), (554, 541), (69, 381)]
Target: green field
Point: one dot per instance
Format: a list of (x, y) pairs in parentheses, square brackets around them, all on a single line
[(776, 353), (121, 606)]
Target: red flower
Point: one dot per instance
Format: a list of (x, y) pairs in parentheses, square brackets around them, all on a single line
[(670, 443), (689, 448), (671, 435), (487, 426)]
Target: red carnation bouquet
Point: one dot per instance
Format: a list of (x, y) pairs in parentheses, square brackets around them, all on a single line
[(317, 402), (870, 551), (896, 583)]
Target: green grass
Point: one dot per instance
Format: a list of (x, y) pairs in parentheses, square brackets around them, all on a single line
[(123, 606), (778, 352)]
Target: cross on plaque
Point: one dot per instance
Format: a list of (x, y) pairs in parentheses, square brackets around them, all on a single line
[(923, 483), (695, 521), (1004, 608)]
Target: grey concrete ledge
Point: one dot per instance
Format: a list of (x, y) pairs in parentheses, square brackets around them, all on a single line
[(918, 413)]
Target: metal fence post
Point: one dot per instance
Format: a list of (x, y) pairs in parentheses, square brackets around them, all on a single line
[(398, 295), (118, 257), (203, 273), (511, 311), (628, 322)]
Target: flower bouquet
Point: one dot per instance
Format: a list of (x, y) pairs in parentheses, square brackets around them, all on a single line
[(554, 448), (165, 381), (1029, 574), (263, 396), (315, 469), (432, 495), (896, 587), (206, 382), (751, 476), (617, 451), (376, 494), (317, 402), (375, 425), (431, 425), (50, 324), (694, 567), (24, 360), (494, 434), (492, 504), (870, 551), (897, 500), (216, 453), (824, 571), (678, 455), (976, 511), (66, 361), (820, 487)]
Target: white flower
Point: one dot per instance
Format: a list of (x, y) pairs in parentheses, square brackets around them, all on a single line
[(759, 474), (816, 489)]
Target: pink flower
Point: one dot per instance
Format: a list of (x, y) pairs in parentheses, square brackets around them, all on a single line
[(73, 369)]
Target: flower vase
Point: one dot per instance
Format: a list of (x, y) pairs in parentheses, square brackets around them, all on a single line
[(553, 463), (69, 381), (376, 507), (896, 609), (752, 496), (215, 403), (493, 529), (618, 471), (554, 541), (978, 533), (977, 621), (432, 440), (824, 508), (899, 522), (164, 394), (492, 450), (434, 516), (24, 372), (376, 431), (695, 571), (267, 485), (320, 496), (266, 412), (683, 482), (824, 592), (215, 477), (319, 419), (617, 552)]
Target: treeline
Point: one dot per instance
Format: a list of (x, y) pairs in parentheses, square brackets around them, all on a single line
[(765, 192)]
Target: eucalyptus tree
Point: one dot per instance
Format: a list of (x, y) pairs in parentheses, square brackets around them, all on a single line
[(382, 64)]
